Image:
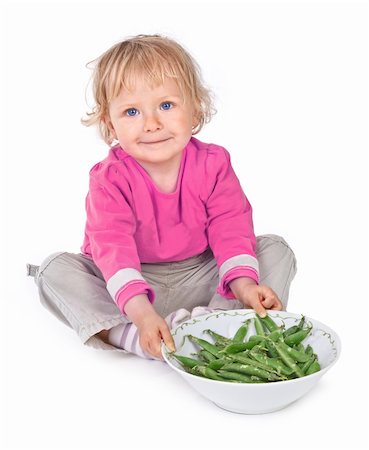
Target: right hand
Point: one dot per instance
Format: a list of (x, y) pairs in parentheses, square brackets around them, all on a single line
[(152, 329)]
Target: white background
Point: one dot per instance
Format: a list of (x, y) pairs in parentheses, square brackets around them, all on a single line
[(291, 86)]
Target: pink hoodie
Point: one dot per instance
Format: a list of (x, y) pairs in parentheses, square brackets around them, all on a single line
[(129, 221)]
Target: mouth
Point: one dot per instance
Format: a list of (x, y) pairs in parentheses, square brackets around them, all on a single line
[(154, 142)]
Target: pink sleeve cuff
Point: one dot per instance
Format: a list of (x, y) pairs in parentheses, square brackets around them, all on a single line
[(131, 289), (224, 290)]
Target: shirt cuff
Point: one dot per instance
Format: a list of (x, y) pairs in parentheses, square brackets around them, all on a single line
[(131, 289), (224, 290)]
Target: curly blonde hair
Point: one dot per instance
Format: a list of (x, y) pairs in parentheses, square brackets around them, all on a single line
[(154, 57)]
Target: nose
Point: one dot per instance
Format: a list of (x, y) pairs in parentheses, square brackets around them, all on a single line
[(152, 123)]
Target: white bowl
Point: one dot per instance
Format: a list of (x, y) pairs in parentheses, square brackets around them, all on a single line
[(248, 398)]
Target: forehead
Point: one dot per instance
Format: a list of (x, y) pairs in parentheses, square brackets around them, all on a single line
[(141, 89)]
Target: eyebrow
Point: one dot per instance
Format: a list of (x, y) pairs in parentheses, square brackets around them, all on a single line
[(166, 97)]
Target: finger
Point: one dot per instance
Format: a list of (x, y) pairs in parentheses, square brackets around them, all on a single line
[(272, 302), (153, 351), (278, 306), (270, 299), (168, 338), (155, 345), (146, 349), (258, 307), (268, 302), (149, 349)]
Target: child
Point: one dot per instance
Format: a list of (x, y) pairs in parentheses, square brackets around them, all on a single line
[(169, 232)]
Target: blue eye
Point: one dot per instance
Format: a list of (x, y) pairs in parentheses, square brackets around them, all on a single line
[(131, 112), (166, 105)]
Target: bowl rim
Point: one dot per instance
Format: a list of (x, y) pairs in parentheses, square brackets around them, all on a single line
[(165, 351)]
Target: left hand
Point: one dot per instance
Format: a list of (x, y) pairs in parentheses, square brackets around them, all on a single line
[(258, 297)]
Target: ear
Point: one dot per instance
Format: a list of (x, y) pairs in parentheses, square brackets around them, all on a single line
[(108, 123), (195, 119)]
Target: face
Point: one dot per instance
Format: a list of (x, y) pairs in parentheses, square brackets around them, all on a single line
[(152, 124)]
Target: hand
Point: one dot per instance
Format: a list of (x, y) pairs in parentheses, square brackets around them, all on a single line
[(152, 330), (258, 297)]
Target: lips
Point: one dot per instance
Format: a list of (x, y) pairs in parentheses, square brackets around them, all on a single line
[(154, 142)]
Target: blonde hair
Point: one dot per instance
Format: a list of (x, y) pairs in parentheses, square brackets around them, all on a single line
[(154, 57)]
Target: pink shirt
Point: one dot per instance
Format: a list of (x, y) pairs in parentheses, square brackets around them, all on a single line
[(129, 221)]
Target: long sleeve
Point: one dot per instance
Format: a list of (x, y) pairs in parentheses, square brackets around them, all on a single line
[(110, 226), (230, 228)]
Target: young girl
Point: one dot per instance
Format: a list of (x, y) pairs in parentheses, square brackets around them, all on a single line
[(169, 232)]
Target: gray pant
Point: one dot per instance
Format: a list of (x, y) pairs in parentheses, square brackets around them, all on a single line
[(73, 289)]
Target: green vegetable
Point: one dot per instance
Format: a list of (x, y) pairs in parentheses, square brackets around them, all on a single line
[(208, 373), (287, 359), (218, 363), (236, 347), (275, 363), (297, 337), (314, 367), (205, 345), (219, 339), (241, 332), (272, 355), (295, 328), (240, 377), (206, 356), (188, 362), (259, 326), (249, 369), (296, 355), (269, 323)]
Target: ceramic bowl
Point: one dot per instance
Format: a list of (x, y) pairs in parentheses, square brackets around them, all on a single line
[(248, 398)]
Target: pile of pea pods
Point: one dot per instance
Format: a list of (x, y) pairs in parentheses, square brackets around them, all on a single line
[(274, 353)]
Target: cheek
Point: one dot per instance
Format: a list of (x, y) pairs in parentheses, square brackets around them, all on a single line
[(184, 121), (126, 131)]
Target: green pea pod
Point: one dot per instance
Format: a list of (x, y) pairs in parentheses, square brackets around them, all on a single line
[(241, 332), (236, 347), (298, 337), (260, 348), (295, 328), (257, 338), (249, 369), (302, 322), (211, 348), (219, 339), (218, 363), (261, 365), (299, 347), (275, 363), (291, 330), (307, 364), (193, 371), (206, 356), (239, 377), (297, 356), (271, 350), (269, 323), (314, 367), (251, 343), (259, 326), (287, 359), (187, 362), (208, 373), (275, 335)]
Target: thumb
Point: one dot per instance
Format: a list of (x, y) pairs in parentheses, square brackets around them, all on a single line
[(168, 338), (261, 312), (258, 308)]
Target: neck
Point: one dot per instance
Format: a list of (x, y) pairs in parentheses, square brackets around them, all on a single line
[(168, 168)]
